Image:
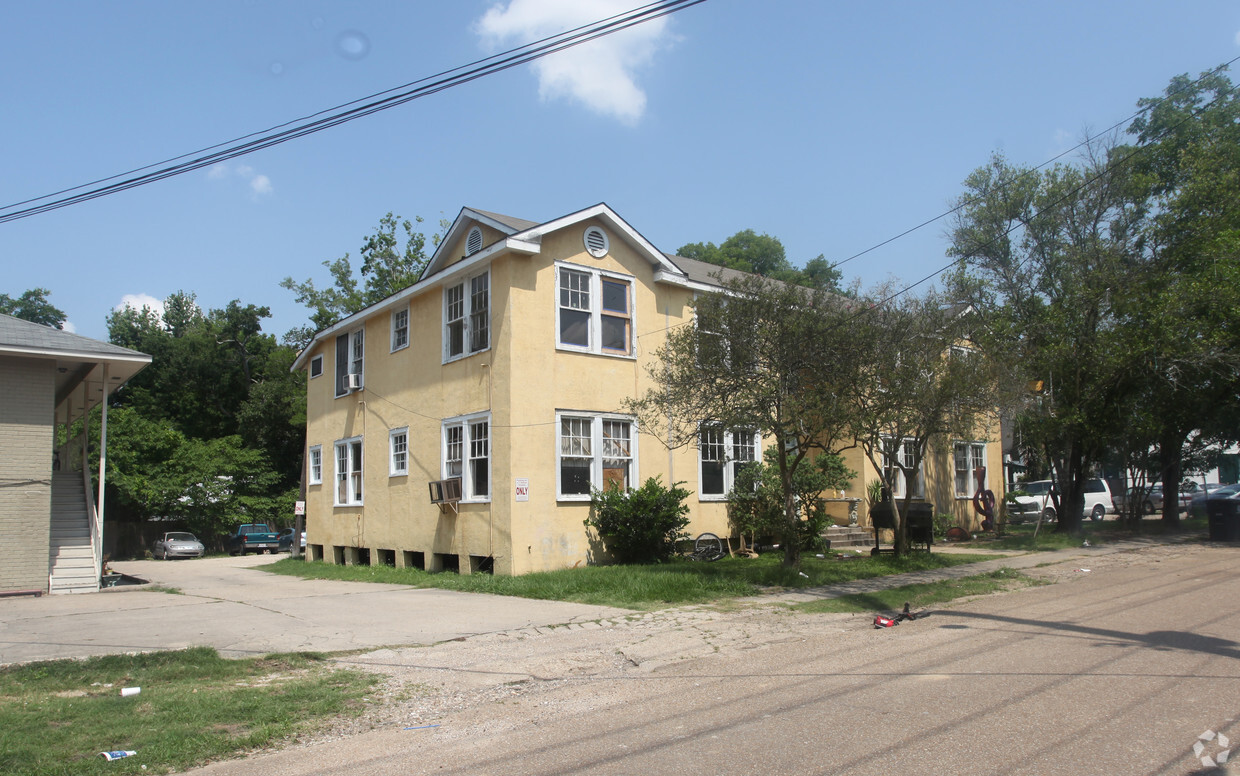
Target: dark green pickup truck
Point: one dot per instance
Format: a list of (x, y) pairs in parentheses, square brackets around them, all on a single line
[(253, 537)]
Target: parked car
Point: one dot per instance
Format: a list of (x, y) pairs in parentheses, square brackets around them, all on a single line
[(1038, 499), (252, 537), (1152, 498), (178, 544), (286, 541), (1197, 507)]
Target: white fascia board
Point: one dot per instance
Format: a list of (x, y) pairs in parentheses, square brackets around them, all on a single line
[(603, 211), (463, 219), (73, 355), (680, 280), (462, 267)]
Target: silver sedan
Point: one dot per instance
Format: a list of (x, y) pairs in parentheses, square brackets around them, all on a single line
[(178, 544)]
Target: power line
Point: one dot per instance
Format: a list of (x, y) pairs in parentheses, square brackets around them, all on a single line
[(341, 114)]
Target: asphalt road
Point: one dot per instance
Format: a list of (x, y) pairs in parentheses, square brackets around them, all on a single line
[(1117, 670)]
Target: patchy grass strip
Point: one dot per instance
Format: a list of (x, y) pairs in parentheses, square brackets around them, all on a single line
[(922, 595), (645, 587), (194, 707)]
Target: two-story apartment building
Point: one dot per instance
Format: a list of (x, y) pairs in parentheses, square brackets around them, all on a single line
[(462, 422)]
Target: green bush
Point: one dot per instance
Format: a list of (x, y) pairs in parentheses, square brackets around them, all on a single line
[(943, 522), (756, 502), (642, 525)]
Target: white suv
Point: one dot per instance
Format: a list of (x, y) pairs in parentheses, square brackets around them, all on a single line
[(1038, 499)]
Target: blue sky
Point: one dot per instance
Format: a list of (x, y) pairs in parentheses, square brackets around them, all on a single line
[(831, 126)]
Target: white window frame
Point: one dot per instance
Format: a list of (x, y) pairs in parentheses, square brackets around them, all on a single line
[(474, 315), (971, 455), (398, 452), (598, 446), (594, 309), (905, 453), (354, 360), (316, 366), (400, 328), (314, 465), (349, 476), (734, 448), (471, 441)]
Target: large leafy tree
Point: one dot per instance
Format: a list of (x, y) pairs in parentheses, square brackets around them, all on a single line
[(390, 262), (1043, 257), (33, 306), (1182, 316), (212, 431), (761, 254), (763, 355)]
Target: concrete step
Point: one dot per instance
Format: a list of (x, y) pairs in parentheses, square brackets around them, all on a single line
[(849, 536)]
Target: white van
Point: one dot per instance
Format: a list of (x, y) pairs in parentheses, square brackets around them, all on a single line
[(1097, 499)]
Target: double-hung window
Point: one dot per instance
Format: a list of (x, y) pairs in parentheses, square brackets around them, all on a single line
[(350, 353), (594, 311), (968, 457), (467, 454), (467, 317), (398, 444), (400, 329), (315, 465), (722, 455), (349, 472), (594, 451), (898, 457)]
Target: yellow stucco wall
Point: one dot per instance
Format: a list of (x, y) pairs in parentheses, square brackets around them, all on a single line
[(522, 380)]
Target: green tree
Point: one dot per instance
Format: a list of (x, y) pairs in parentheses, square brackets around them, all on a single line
[(761, 254), (1043, 257), (763, 355), (1180, 316), (387, 267), (928, 383), (756, 503), (33, 306)]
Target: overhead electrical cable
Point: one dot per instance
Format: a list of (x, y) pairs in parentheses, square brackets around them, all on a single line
[(349, 111)]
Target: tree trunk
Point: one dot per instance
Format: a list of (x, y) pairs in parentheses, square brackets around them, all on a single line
[(1170, 470)]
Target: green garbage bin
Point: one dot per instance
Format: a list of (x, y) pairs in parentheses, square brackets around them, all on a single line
[(1223, 515)]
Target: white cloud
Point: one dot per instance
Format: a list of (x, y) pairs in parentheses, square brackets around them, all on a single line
[(69, 327), (138, 301), (259, 184), (599, 74)]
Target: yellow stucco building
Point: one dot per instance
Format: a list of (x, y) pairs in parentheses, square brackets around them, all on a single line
[(501, 374)]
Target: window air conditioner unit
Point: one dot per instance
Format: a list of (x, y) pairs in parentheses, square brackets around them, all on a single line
[(446, 493), (355, 382)]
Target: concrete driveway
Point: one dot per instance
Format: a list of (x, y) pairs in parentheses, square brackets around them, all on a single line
[(233, 605)]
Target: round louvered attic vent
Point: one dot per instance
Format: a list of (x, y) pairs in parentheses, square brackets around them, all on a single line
[(596, 242), (473, 243)]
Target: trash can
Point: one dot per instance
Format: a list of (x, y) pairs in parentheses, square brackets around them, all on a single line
[(1223, 515)]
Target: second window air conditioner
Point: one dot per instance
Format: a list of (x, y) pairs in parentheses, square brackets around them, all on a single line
[(355, 381)]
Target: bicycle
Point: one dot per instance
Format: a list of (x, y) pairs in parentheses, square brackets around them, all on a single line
[(707, 547)]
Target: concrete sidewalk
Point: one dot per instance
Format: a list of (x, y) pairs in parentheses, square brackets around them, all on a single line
[(234, 606)]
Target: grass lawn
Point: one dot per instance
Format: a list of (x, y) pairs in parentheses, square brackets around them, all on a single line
[(1020, 536), (923, 595), (194, 707), (644, 587)]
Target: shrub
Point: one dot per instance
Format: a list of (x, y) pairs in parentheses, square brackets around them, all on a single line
[(943, 522), (642, 525)]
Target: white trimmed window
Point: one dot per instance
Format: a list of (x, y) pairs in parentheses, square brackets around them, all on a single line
[(906, 450), (467, 317), (349, 472), (594, 451), (467, 454), (594, 311), (315, 465), (721, 455), (316, 366), (968, 457), (400, 329), (398, 445), (350, 353)]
